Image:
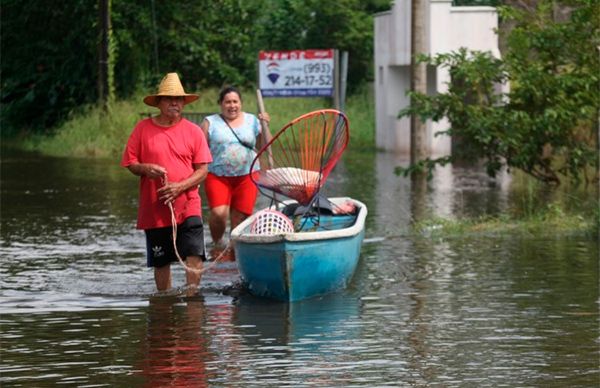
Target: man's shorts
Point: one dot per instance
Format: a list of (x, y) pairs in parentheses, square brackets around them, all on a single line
[(190, 242), (238, 192)]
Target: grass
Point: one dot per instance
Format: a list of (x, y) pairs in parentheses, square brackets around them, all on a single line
[(505, 224), (551, 219), (95, 132), (91, 131)]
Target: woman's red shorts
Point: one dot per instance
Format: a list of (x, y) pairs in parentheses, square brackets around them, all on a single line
[(239, 192)]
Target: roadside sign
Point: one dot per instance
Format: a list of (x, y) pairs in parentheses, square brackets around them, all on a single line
[(296, 73)]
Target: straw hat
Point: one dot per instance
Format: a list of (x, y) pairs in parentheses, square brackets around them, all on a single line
[(170, 86)]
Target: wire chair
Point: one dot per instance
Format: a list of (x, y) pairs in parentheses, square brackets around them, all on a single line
[(302, 155)]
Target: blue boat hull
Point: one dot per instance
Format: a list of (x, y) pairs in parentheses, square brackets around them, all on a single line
[(291, 270)]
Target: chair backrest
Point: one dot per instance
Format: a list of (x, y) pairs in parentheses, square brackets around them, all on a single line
[(304, 153)]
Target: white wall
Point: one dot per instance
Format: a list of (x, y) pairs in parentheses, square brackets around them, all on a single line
[(449, 28)]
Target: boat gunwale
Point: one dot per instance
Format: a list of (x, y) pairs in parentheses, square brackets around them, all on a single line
[(237, 234)]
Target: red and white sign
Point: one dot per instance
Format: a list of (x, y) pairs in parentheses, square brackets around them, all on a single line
[(296, 73)]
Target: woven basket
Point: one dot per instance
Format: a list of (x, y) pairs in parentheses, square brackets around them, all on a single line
[(271, 222)]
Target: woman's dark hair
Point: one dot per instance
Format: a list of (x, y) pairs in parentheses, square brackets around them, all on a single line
[(226, 90)]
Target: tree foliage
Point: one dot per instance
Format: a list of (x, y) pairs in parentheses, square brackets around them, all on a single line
[(547, 124), (50, 48), (48, 65)]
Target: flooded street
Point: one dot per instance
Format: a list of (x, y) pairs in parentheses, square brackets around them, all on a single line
[(78, 306)]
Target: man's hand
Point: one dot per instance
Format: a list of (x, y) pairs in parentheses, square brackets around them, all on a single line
[(169, 192), (154, 171)]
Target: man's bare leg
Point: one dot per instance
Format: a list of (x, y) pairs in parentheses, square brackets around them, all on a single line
[(162, 277), (193, 278)]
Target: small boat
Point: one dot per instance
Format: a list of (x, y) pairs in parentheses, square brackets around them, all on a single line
[(317, 256)]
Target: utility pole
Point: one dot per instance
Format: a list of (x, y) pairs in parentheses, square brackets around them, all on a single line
[(418, 129)]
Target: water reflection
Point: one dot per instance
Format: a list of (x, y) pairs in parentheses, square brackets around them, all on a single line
[(175, 347), (307, 324), (306, 342)]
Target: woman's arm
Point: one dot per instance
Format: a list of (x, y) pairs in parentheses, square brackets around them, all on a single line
[(265, 134), (204, 126)]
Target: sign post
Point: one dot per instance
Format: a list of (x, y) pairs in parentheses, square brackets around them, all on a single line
[(266, 132)]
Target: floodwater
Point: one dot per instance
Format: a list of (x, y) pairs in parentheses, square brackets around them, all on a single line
[(78, 306)]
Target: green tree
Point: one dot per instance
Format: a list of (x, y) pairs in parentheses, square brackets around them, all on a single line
[(209, 43), (48, 61), (49, 56), (546, 125)]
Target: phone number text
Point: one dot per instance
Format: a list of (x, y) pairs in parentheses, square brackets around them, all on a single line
[(308, 80)]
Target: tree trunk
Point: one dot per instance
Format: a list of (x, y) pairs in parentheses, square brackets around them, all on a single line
[(418, 129), (104, 71)]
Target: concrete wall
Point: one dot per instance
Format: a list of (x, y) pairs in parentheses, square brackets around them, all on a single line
[(449, 28)]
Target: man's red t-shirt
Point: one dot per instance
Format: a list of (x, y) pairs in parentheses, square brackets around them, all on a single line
[(175, 148)]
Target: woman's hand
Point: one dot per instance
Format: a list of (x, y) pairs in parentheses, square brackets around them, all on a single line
[(264, 116)]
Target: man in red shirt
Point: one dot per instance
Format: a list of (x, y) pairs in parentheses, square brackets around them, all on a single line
[(170, 155)]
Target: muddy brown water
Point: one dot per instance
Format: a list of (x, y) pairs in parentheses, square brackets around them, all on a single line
[(78, 306)]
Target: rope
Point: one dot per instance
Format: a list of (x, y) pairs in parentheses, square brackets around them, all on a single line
[(174, 228)]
